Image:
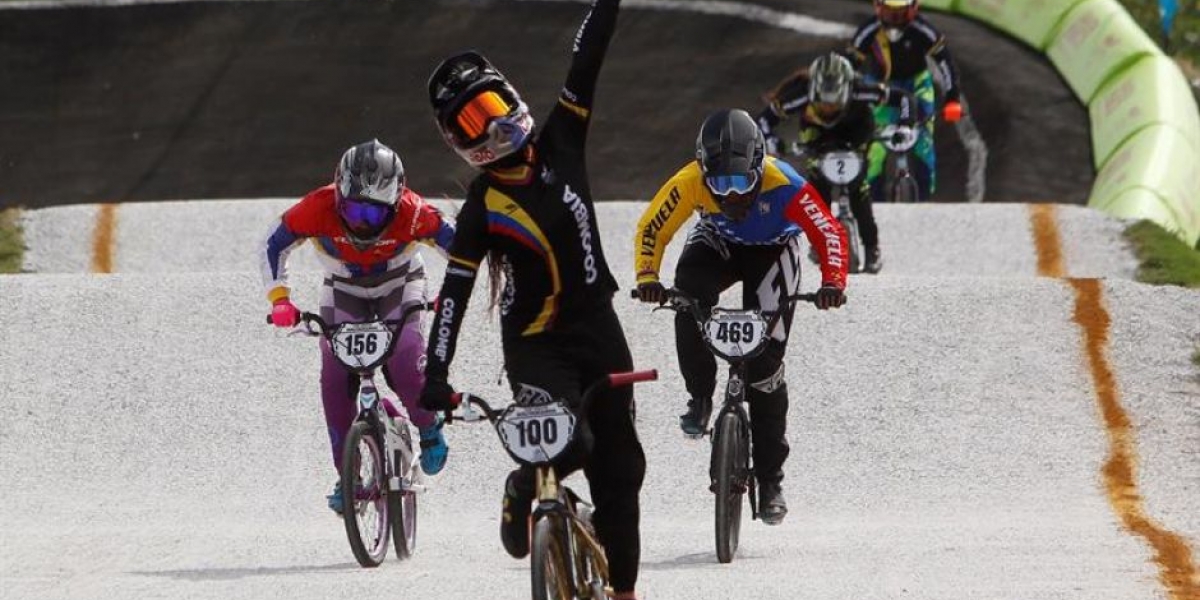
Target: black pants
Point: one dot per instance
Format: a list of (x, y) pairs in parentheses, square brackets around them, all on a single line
[(860, 205), (709, 264), (564, 363)]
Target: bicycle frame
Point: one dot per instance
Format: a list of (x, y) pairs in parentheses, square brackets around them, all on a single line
[(897, 174), (397, 439), (555, 500)]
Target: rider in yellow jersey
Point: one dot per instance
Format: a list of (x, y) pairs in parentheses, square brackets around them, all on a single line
[(752, 210)]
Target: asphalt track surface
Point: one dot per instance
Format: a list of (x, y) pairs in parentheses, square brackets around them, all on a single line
[(948, 437), (258, 99)]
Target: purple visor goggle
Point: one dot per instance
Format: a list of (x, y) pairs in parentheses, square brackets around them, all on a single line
[(365, 215), (724, 185)]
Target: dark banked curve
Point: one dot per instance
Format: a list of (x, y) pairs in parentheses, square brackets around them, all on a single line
[(255, 99)]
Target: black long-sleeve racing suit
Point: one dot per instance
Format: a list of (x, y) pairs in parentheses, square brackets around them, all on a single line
[(559, 330), (853, 130)]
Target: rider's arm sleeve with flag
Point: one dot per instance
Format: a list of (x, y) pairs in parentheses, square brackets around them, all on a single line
[(573, 111), (467, 251), (905, 104), (940, 53), (284, 235), (430, 226), (788, 98), (668, 211), (808, 210)]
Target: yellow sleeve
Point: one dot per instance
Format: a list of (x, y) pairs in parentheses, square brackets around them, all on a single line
[(668, 211)]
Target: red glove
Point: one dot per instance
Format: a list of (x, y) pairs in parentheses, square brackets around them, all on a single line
[(284, 313), (952, 111)]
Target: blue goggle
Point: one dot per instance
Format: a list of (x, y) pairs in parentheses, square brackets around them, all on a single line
[(724, 185), (363, 216)]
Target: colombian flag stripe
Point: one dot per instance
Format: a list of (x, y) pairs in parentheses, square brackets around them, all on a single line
[(507, 218)]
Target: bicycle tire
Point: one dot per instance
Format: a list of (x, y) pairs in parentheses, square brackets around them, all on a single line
[(402, 509), (729, 458), (373, 491), (402, 506), (854, 251), (905, 190), (549, 567)]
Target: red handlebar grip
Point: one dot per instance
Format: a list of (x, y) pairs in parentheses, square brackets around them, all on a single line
[(619, 379), (456, 399)]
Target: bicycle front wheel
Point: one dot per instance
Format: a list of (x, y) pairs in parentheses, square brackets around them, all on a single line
[(364, 487), (730, 456), (905, 190), (403, 507), (855, 251), (550, 560)]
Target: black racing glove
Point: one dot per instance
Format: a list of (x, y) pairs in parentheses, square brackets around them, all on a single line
[(652, 291), (830, 296), (436, 395)]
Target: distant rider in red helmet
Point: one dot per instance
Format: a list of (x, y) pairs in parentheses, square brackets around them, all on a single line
[(896, 48)]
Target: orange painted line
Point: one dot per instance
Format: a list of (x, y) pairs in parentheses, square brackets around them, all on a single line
[(1176, 569), (104, 239), (1044, 221)]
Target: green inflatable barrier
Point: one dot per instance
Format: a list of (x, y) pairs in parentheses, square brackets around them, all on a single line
[(1096, 40), (1160, 159), (1142, 203), (1153, 90), (942, 5), (1031, 21)]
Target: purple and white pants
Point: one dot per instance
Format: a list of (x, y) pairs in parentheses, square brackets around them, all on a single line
[(384, 296)]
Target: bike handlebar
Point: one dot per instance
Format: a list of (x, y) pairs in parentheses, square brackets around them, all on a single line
[(323, 328), (612, 380), (673, 293)]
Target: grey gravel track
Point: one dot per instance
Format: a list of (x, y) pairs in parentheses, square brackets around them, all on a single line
[(158, 441)]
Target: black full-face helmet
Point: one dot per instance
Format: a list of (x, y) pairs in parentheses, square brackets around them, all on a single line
[(367, 186), (731, 150), (478, 112)]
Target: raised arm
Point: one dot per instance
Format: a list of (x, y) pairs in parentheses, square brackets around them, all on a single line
[(591, 44)]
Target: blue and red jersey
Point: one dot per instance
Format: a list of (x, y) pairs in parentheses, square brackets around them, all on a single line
[(315, 217)]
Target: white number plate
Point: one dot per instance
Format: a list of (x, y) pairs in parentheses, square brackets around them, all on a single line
[(358, 345), (736, 333), (537, 434), (841, 167)]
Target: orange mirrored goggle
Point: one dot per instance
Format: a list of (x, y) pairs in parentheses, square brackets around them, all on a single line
[(474, 116)]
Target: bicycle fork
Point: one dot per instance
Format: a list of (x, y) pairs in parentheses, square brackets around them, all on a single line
[(396, 439), (735, 399)]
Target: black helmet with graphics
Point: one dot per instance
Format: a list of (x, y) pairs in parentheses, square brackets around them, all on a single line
[(367, 186), (478, 112), (731, 150)]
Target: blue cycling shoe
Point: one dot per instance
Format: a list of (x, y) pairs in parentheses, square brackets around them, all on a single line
[(433, 449), (336, 503)]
